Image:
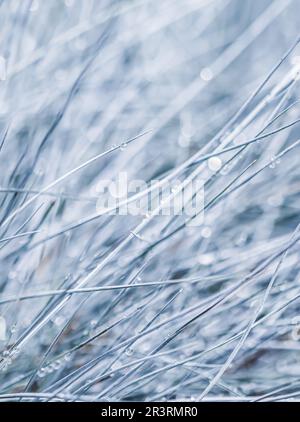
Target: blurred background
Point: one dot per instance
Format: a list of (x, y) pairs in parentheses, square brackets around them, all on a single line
[(156, 89)]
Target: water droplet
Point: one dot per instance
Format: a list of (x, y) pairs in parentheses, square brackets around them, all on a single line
[(41, 373), (206, 74), (206, 259), (68, 357), (49, 369), (12, 275), (206, 232), (214, 163), (273, 163), (56, 365), (175, 189), (184, 141), (123, 146), (59, 321), (129, 351)]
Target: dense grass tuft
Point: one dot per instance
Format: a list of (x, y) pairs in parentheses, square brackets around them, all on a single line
[(98, 306)]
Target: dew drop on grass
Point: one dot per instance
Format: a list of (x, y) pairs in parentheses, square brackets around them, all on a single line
[(59, 321), (49, 369), (214, 163), (41, 373), (176, 188), (206, 232), (68, 357), (123, 146), (273, 163), (184, 141), (2, 68), (13, 328), (12, 275), (206, 259), (129, 351), (56, 365)]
